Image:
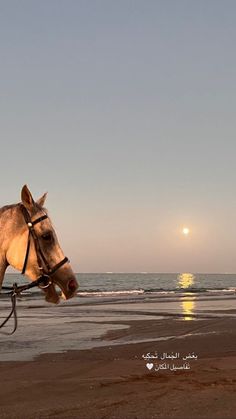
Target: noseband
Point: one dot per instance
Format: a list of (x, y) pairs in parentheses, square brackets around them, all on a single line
[(43, 264)]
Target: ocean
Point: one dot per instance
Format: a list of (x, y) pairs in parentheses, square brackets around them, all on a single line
[(115, 284)]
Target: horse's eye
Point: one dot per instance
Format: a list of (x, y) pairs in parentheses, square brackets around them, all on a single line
[(47, 236)]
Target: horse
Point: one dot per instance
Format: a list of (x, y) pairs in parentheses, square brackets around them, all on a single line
[(29, 244)]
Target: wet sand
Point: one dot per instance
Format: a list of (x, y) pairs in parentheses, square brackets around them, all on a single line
[(111, 379)]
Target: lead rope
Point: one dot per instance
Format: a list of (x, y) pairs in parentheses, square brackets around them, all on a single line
[(13, 312), (43, 282)]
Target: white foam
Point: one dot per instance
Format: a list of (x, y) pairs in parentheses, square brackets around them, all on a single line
[(109, 293)]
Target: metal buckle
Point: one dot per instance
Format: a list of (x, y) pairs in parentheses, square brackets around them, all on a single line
[(15, 290), (49, 282)]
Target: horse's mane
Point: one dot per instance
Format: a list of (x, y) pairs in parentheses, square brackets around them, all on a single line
[(7, 207), (37, 208)]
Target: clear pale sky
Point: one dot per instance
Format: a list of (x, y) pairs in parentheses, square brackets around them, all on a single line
[(124, 111)]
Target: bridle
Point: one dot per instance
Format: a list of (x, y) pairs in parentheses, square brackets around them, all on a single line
[(44, 280), (43, 264)]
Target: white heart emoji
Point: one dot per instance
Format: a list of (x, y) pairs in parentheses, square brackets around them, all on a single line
[(149, 366)]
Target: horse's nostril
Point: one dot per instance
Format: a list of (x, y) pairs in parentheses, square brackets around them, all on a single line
[(72, 285)]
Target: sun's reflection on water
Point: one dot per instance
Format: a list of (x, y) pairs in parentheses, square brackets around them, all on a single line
[(185, 281)]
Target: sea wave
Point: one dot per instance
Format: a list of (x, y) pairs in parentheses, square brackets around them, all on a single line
[(112, 291), (99, 293), (154, 291)]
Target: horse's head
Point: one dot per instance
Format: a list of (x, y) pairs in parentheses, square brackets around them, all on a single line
[(48, 247)]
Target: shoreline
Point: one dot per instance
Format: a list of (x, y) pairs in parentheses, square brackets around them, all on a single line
[(77, 325)]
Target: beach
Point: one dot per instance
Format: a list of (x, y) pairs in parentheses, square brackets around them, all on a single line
[(101, 358)]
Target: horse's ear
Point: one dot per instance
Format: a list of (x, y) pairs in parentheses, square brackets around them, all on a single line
[(26, 198), (41, 200)]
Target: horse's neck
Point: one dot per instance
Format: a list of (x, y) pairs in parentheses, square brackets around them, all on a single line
[(3, 267), (5, 229)]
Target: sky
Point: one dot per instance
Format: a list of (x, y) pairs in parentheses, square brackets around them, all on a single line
[(124, 111)]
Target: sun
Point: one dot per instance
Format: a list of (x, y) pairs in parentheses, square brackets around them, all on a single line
[(185, 231)]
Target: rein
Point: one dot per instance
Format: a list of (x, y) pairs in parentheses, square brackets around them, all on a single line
[(44, 281)]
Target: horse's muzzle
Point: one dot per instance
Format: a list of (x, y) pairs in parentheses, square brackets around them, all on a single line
[(68, 285), (72, 285)]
